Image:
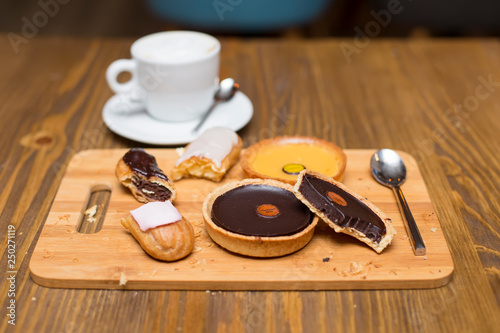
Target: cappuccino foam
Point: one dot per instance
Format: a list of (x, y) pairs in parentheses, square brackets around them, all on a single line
[(175, 47)]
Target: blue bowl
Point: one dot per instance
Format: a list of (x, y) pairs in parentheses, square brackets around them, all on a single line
[(239, 15)]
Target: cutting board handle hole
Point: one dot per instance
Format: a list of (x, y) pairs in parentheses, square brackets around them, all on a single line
[(94, 210)]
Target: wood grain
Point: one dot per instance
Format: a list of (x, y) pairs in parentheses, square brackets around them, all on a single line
[(66, 258), (393, 93)]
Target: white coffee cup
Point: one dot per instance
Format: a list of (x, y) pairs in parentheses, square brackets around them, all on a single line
[(174, 73)]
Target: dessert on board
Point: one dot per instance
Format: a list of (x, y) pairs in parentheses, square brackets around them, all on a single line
[(258, 218), (138, 171), (161, 230), (344, 210), (291, 183), (282, 158), (210, 156)]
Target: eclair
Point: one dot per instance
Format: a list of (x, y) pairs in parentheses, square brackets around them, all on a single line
[(139, 172), (344, 210), (161, 231), (210, 156)]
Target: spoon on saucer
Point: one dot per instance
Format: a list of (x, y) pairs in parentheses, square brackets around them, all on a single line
[(389, 170), (227, 89)]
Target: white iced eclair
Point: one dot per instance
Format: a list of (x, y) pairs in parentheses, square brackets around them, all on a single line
[(210, 156)]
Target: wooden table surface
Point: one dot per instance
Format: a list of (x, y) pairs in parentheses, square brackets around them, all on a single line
[(436, 99)]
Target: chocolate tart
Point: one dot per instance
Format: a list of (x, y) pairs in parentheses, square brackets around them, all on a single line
[(344, 210), (258, 218), (282, 158)]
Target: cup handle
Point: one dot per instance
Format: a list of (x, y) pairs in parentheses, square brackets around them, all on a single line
[(117, 67)]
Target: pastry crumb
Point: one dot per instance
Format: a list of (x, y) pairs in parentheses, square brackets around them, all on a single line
[(355, 268), (64, 218), (91, 211), (433, 229), (123, 279), (196, 249), (33, 298), (91, 214), (180, 151), (47, 254)]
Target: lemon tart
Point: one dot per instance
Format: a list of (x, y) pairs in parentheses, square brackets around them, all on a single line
[(283, 158)]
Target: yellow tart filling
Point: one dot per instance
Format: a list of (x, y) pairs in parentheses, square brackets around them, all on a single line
[(287, 160)]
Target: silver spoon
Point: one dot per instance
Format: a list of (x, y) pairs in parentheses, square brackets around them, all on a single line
[(389, 170), (227, 89)]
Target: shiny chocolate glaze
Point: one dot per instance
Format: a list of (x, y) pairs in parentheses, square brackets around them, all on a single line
[(151, 190), (346, 211), (240, 210), (143, 163)]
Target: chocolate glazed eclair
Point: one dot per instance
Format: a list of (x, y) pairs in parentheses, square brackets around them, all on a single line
[(139, 172)]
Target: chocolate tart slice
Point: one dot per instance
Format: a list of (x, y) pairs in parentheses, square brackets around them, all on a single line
[(258, 218), (138, 171), (344, 210), (282, 158)]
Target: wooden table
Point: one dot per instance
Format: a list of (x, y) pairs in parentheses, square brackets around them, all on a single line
[(436, 99)]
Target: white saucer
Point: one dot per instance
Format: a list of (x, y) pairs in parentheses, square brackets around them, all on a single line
[(130, 120)]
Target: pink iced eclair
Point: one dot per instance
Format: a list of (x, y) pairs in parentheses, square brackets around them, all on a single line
[(161, 230)]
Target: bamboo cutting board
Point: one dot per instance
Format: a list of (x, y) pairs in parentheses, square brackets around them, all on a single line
[(110, 258)]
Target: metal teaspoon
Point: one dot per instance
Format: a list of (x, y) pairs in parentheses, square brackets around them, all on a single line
[(389, 170), (227, 89)]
